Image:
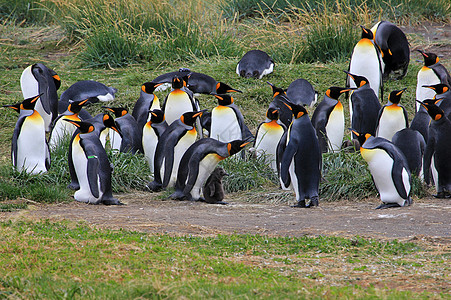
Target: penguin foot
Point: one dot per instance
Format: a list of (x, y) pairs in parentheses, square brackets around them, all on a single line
[(408, 202), (313, 202), (218, 202), (73, 186), (154, 186), (113, 201), (387, 205), (442, 195), (301, 203), (177, 195)]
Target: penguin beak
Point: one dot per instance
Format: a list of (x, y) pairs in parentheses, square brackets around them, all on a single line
[(83, 102), (401, 91), (429, 87), (354, 131), (422, 53), (346, 90), (72, 122), (244, 144), (288, 106), (349, 74), (422, 104)]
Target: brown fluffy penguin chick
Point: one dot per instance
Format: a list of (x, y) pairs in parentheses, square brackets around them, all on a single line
[(213, 189)]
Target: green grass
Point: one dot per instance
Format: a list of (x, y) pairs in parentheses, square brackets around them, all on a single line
[(125, 264)]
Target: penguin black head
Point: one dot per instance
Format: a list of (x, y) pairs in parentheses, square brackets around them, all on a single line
[(84, 127), (178, 82), (29, 103), (276, 91), (361, 137), (156, 116), (117, 111), (367, 33), (395, 96), (149, 87), (438, 88), (236, 146), (429, 58), (224, 99), (38, 70), (297, 110), (222, 88), (358, 80), (433, 110), (189, 118), (334, 92), (75, 106), (272, 113), (109, 122)]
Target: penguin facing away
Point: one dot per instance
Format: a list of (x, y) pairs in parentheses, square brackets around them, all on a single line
[(328, 120), (394, 48), (130, 138), (433, 72), (412, 144), (364, 106), (198, 163), (213, 190), (300, 162), (279, 98), (37, 79), (268, 136), (255, 63), (147, 101), (437, 149), (389, 170), (29, 148), (366, 61), (392, 116), (171, 146), (301, 91), (152, 131), (92, 167)]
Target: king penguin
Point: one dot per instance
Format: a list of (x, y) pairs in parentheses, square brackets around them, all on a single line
[(366, 61), (329, 120), (37, 79), (412, 144), (62, 129), (392, 116), (389, 169), (179, 100), (433, 72), (172, 144), (301, 91), (279, 97), (227, 121), (364, 106), (300, 162), (268, 136), (130, 138), (147, 101), (394, 48), (152, 131), (92, 167), (29, 149), (198, 163), (437, 150), (442, 97), (256, 64)]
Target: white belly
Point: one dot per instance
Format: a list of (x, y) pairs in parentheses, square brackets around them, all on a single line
[(81, 165), (206, 167), (380, 165), (183, 144), (224, 125), (32, 146), (149, 140), (115, 140), (177, 104), (335, 128), (365, 62), (268, 136), (390, 123), (105, 98), (103, 135), (426, 76), (61, 130)]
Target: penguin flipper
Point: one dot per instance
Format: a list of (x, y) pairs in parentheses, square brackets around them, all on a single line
[(92, 170), (16, 133), (168, 165), (47, 156), (288, 154), (74, 184), (280, 150), (427, 158), (193, 172)]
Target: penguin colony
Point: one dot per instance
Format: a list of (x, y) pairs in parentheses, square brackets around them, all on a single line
[(183, 144)]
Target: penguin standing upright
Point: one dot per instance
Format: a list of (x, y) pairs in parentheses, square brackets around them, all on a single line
[(329, 120), (412, 144), (279, 98), (301, 91), (152, 131), (433, 72), (147, 101), (37, 79), (172, 144), (61, 129), (129, 139), (268, 136), (364, 106), (227, 122), (29, 148), (394, 47), (92, 167), (198, 163), (255, 63), (389, 170), (392, 116), (179, 100), (86, 89), (300, 162), (438, 149), (366, 61)]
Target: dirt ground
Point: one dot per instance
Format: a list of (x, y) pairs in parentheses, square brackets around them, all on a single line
[(426, 219)]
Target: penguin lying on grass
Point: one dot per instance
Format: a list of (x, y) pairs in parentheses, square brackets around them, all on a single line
[(255, 63)]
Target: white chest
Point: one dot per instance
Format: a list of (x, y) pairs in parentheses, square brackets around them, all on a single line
[(224, 124)]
